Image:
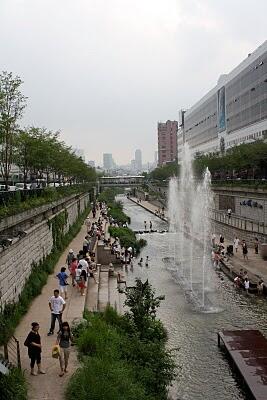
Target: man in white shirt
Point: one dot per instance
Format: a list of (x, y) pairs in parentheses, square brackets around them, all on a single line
[(57, 305), (236, 243)]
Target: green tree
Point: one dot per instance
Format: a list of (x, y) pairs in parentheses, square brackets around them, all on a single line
[(12, 104)]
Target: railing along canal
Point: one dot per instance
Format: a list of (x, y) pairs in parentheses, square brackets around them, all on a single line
[(239, 222)]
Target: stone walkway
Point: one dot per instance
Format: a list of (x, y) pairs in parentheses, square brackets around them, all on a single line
[(50, 386)]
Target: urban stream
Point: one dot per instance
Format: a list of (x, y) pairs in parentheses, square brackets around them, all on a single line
[(203, 370)]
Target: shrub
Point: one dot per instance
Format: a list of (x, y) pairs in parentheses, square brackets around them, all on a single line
[(13, 386), (107, 379), (120, 361), (127, 238)]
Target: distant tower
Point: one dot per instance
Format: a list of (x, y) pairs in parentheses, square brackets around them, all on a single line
[(108, 162), (138, 160)]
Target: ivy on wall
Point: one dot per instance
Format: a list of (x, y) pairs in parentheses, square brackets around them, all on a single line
[(58, 224)]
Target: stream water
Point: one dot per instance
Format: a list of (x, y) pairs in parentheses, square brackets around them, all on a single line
[(203, 370)]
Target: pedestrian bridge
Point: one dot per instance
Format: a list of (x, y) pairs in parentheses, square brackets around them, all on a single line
[(121, 181)]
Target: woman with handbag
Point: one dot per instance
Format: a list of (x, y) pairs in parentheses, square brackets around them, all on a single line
[(64, 340), (33, 342)]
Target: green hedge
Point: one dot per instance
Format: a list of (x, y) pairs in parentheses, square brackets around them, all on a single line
[(117, 364), (115, 208), (13, 386), (127, 238), (12, 313), (17, 205)]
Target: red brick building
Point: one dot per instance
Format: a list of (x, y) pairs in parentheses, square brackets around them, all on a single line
[(167, 142)]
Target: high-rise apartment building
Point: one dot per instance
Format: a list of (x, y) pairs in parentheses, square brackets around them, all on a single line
[(138, 160), (108, 162), (167, 142)]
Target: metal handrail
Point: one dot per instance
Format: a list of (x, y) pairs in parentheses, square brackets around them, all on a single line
[(9, 351)]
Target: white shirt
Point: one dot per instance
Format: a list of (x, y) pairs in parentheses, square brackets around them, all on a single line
[(236, 242), (84, 264), (246, 285), (57, 304)]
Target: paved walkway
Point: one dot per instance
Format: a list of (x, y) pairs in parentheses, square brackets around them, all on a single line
[(50, 386), (255, 265)]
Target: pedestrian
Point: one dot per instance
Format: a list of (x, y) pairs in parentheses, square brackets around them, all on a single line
[(147, 259), (64, 340), (256, 245), (145, 225), (229, 212), (237, 282), (150, 225), (260, 287), (88, 224), (213, 239), (33, 342), (70, 257), (85, 245), (141, 262), (63, 283), (236, 243), (246, 285), (245, 250), (73, 267), (94, 212), (57, 305), (221, 239)]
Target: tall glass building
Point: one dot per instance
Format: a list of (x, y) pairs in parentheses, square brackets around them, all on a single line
[(234, 111)]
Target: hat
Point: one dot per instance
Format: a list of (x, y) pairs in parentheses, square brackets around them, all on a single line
[(70, 251)]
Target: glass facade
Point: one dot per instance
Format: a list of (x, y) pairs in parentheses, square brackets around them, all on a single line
[(239, 103), (246, 96)]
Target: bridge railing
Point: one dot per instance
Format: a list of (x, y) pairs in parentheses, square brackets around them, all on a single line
[(240, 222)]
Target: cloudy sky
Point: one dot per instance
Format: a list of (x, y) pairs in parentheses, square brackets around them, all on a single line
[(103, 72)]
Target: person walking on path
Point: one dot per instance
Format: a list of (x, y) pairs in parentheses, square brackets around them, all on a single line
[(63, 284), (73, 267), (245, 250), (64, 340), (70, 257), (150, 225), (236, 243), (145, 225), (33, 342), (229, 212), (57, 305), (256, 245)]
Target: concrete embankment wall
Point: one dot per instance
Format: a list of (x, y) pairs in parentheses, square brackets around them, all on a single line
[(230, 232), (17, 260)]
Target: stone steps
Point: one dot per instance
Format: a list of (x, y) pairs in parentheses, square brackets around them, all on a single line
[(91, 303), (103, 293)]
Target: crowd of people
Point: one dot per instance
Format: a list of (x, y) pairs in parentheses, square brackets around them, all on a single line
[(79, 268), (219, 252)]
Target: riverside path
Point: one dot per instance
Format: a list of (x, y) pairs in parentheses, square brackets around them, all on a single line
[(50, 386)]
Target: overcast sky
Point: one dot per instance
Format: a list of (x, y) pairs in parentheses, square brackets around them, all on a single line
[(104, 72)]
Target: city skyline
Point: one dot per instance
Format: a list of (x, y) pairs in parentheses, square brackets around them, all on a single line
[(129, 89)]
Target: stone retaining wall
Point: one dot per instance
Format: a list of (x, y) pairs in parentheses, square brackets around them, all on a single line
[(17, 260), (229, 232)]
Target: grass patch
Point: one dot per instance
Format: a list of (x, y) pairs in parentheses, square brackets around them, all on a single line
[(13, 386), (115, 208), (120, 359), (13, 312)]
